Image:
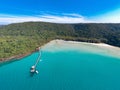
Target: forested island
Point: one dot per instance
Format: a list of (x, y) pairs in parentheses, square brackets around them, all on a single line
[(20, 39)]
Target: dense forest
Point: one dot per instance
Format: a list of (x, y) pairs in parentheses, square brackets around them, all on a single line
[(23, 38)]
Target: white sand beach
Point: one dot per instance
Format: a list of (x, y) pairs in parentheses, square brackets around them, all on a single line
[(99, 48)]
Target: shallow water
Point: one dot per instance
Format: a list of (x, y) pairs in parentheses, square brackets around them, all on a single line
[(62, 70)]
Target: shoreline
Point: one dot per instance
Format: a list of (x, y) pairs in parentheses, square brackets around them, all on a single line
[(96, 48), (59, 44), (16, 57)]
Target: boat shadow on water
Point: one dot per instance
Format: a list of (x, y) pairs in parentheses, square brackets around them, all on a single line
[(33, 73)]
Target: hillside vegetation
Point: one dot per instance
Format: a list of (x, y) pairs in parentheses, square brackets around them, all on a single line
[(23, 38)]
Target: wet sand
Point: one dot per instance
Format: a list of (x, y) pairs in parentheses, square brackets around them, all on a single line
[(98, 48)]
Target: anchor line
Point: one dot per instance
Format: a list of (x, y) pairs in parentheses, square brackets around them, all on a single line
[(33, 68), (38, 59)]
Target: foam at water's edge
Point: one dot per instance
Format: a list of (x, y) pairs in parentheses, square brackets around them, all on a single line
[(102, 49)]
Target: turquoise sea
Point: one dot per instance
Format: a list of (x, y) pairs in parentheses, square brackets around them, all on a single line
[(62, 70)]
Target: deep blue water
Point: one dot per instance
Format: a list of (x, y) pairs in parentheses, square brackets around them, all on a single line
[(64, 70)]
